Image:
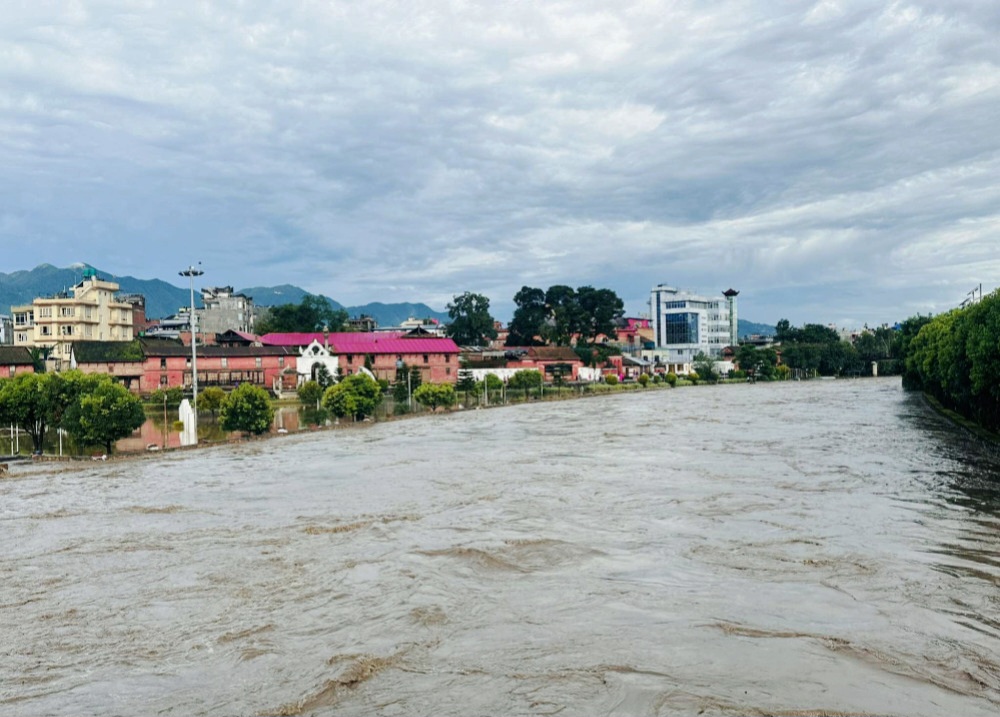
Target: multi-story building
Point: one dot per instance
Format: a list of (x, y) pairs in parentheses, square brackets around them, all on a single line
[(686, 324), (224, 310), (6, 330), (89, 311)]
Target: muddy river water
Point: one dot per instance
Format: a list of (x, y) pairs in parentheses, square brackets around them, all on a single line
[(822, 547)]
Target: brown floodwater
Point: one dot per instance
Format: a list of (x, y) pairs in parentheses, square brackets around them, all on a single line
[(809, 548)]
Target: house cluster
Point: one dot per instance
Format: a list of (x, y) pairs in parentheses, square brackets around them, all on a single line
[(94, 328)]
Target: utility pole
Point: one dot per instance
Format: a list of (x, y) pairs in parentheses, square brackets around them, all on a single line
[(191, 272)]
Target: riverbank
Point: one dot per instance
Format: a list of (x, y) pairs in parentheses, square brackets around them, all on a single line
[(961, 421)]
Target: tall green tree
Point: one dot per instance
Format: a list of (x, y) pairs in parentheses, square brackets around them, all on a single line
[(528, 323), (313, 313), (599, 312), (471, 323), (211, 399), (248, 409), (565, 317), (101, 416)]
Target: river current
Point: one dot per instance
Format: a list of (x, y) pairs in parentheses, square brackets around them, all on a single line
[(807, 548)]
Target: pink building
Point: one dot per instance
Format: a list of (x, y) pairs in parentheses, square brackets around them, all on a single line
[(15, 360), (382, 353)]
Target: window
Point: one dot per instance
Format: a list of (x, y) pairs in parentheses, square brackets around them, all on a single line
[(350, 359), (88, 313), (681, 328), (163, 379), (281, 360), (45, 311), (425, 358), (46, 331), (88, 331), (225, 362), (65, 330), (447, 371), (163, 363), (67, 311), (257, 362)]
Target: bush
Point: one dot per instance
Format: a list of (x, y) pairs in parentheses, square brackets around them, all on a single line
[(643, 380), (434, 395), (611, 379), (310, 393), (247, 409), (693, 377), (657, 378), (211, 399), (526, 379), (357, 395), (738, 374), (671, 378), (174, 396)]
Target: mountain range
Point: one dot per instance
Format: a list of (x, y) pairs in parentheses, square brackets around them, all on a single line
[(163, 299)]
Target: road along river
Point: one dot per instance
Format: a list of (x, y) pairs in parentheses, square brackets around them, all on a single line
[(821, 547)]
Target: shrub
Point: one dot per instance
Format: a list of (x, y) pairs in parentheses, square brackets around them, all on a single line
[(671, 378), (357, 395), (433, 395), (643, 380), (310, 393), (611, 379), (247, 409)]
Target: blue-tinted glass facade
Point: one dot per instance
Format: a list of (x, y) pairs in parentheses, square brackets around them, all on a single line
[(681, 329)]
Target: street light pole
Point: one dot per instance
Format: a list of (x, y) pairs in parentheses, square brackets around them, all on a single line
[(191, 272)]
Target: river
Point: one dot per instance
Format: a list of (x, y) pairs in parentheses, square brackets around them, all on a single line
[(822, 547)]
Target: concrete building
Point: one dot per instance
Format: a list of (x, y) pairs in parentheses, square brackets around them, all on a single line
[(686, 324), (89, 311), (223, 310), (6, 330)]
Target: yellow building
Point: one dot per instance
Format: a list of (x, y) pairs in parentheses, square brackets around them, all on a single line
[(89, 311)]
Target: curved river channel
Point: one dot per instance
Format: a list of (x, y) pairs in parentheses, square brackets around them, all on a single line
[(824, 547)]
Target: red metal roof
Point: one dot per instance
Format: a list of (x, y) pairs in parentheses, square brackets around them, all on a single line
[(379, 342)]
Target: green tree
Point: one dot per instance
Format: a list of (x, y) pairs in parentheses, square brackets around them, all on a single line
[(704, 366), (471, 323), (643, 380), (466, 382), (527, 378), (408, 380), (29, 401), (310, 393), (211, 399), (564, 315), (313, 313), (599, 313), (357, 396), (528, 323), (101, 416), (248, 409), (435, 395)]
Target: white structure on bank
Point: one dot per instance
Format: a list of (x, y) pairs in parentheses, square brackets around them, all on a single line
[(686, 324), (312, 358)]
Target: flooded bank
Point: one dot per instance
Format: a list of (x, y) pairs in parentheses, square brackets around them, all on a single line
[(803, 548)]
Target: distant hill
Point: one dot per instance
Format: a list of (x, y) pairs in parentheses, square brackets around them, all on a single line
[(745, 328), (163, 299)]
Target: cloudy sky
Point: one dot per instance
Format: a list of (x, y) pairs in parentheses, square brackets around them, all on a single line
[(835, 161)]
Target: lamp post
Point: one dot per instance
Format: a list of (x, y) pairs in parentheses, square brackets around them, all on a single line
[(191, 272)]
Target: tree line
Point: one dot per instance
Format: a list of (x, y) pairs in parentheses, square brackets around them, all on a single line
[(955, 357)]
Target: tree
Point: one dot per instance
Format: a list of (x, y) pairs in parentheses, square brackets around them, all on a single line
[(435, 395), (471, 323), (528, 323), (599, 312), (704, 366), (564, 315), (408, 379), (527, 378), (211, 399), (313, 313), (248, 409), (310, 393), (357, 396), (28, 401), (103, 415), (466, 382)]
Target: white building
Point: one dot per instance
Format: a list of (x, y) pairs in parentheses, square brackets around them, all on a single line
[(686, 324)]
